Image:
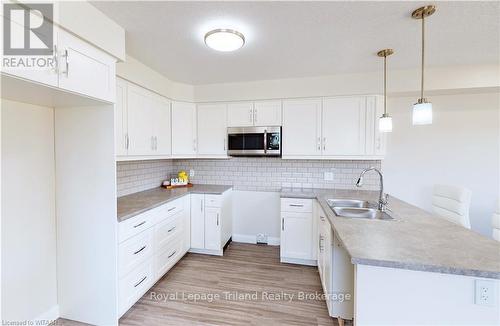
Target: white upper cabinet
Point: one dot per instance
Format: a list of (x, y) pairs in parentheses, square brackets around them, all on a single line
[(302, 128), (140, 121), (184, 143), (240, 114), (343, 129), (85, 69), (162, 133), (259, 113), (267, 113), (121, 135), (375, 140), (212, 129)]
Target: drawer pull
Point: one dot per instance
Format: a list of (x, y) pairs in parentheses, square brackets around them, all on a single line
[(169, 256), (138, 251), (296, 205), (171, 229), (322, 218), (171, 209), (142, 223), (139, 283)]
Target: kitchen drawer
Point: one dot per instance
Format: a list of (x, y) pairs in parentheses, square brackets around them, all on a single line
[(297, 205), (169, 209), (213, 200), (134, 285), (168, 229), (135, 251), (135, 225), (169, 254)]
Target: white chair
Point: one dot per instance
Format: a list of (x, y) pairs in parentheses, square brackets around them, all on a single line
[(452, 203), (495, 222)]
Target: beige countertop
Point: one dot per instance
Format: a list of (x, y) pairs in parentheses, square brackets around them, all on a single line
[(415, 240), (131, 205)]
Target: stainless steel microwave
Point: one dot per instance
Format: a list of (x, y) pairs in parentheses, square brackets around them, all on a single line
[(254, 141)]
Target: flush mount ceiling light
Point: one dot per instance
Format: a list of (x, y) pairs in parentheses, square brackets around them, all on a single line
[(224, 40), (422, 110), (385, 121)]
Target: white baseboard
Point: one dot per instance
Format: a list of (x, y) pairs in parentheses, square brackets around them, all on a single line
[(309, 262), (245, 238), (49, 315)]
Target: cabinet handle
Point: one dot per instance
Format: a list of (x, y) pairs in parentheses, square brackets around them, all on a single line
[(321, 248), (201, 206), (152, 143), (127, 141), (324, 143), (217, 219), (156, 143), (142, 223), (224, 144), (172, 254), (282, 224), (66, 56), (296, 205), (138, 251), (319, 143), (194, 144), (171, 209), (322, 218), (171, 229), (56, 60), (255, 115), (250, 115), (139, 283)]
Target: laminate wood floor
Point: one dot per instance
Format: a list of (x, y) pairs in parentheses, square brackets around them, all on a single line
[(251, 271)]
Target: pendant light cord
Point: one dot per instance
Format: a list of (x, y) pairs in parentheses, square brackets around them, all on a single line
[(423, 60)]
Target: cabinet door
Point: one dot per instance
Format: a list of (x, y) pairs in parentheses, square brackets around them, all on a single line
[(212, 228), (85, 69), (302, 127), (212, 129), (121, 141), (327, 251), (140, 121), (267, 113), (343, 126), (48, 75), (296, 235), (183, 129), (240, 114), (162, 132), (197, 221)]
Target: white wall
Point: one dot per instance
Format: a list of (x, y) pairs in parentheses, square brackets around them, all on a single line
[(136, 72), (256, 212), (29, 288), (461, 147), (461, 78)]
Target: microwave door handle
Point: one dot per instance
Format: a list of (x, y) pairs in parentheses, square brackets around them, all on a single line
[(265, 141)]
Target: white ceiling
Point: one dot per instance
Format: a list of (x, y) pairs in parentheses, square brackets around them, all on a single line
[(301, 39)]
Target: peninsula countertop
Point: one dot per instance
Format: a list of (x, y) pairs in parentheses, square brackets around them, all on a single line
[(415, 240), (139, 202)]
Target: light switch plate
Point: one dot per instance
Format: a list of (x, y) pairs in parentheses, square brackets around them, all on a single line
[(485, 293), (328, 176)]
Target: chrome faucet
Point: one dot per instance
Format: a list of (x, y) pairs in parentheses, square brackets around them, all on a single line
[(382, 198)]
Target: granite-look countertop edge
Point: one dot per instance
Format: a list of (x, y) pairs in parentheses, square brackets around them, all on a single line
[(134, 204), (416, 253)]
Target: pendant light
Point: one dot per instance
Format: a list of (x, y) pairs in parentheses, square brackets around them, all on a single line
[(422, 110), (385, 121)]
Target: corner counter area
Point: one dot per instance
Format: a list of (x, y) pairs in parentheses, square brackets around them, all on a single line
[(391, 266), (157, 227)]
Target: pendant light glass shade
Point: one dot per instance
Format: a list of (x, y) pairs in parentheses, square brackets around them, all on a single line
[(422, 113), (385, 123)]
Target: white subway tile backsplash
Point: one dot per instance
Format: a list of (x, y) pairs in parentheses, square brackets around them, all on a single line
[(246, 173)]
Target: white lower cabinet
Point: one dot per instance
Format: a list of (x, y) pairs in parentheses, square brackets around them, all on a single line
[(335, 269), (149, 246), (211, 222), (297, 231)]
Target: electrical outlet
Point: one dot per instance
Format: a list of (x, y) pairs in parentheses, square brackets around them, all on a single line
[(191, 173), (485, 293), (261, 238), (328, 176)]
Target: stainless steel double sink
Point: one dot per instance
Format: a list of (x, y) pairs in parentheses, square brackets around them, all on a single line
[(355, 208)]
